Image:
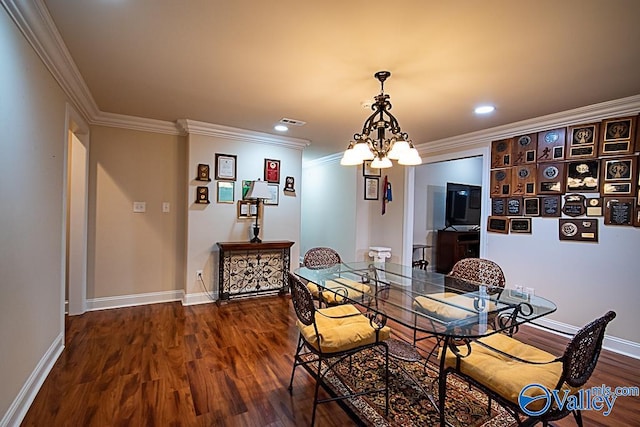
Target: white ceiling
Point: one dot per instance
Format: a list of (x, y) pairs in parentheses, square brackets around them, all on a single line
[(247, 64)]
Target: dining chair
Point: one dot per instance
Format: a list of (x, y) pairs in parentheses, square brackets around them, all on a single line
[(334, 292), (514, 373), (329, 335)]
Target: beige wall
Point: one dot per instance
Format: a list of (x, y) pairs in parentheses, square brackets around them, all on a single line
[(218, 222), (32, 146), (133, 253)]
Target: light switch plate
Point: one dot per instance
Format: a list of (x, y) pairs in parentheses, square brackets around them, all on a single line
[(166, 207), (139, 206)]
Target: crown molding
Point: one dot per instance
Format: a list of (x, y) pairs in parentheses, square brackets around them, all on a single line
[(332, 158), (219, 131), (136, 123), (591, 113), (35, 23)]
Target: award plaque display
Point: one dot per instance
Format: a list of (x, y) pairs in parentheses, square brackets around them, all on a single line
[(514, 206), (583, 176), (618, 176), (498, 224), (499, 206), (636, 218), (594, 206), (582, 230), (550, 206), (523, 180), (582, 141), (520, 225), (551, 178), (531, 206), (619, 210), (202, 195), (501, 153), (524, 149), (618, 136), (551, 145), (574, 205), (203, 173), (500, 182)]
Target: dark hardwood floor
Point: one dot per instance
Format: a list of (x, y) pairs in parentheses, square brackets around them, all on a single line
[(210, 365)]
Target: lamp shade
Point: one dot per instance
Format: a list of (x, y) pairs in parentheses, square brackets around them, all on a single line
[(259, 190)]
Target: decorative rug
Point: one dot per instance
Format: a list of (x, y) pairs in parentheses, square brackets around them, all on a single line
[(409, 405)]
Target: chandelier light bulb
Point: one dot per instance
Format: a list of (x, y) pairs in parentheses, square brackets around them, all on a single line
[(381, 163)]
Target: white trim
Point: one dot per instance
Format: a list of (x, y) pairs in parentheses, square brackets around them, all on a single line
[(407, 221), (135, 299), (135, 123), (197, 298), (332, 158), (220, 131), (20, 405), (614, 344)]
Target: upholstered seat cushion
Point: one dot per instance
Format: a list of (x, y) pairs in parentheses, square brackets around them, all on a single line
[(448, 306), (335, 290), (342, 327), (506, 376)]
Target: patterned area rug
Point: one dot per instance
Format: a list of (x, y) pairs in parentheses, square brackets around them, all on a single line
[(409, 404)]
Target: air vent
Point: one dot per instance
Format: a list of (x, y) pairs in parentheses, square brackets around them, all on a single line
[(292, 122)]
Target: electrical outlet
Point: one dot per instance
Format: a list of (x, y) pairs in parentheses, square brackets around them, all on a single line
[(530, 291), (198, 274)]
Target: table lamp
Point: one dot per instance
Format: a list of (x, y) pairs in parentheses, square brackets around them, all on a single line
[(258, 190)]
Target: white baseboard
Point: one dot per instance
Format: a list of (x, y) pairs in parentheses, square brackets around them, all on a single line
[(131, 300), (614, 344), (199, 298), (18, 409)]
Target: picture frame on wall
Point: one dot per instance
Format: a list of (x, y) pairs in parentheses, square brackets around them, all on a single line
[(226, 166), (246, 185), (272, 171), (371, 187), (225, 191), (275, 192), (520, 225), (367, 170), (498, 224), (247, 209)]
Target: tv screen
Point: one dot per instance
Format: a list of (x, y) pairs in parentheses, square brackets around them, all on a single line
[(463, 204)]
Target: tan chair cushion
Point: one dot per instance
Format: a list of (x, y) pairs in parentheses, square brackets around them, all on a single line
[(505, 376), (448, 306), (341, 333), (354, 290)]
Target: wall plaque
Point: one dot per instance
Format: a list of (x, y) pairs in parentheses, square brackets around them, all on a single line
[(551, 145), (202, 195), (594, 206), (498, 224), (618, 136), (203, 172), (501, 153), (524, 148), (574, 205), (520, 225), (500, 182), (582, 141), (618, 176), (550, 206), (583, 176), (523, 180), (531, 206), (514, 206), (551, 178), (636, 220), (499, 206), (619, 210), (583, 230)]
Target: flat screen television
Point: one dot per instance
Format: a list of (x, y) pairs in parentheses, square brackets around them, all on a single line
[(463, 204)]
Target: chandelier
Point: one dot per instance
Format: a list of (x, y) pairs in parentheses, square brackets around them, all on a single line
[(381, 139)]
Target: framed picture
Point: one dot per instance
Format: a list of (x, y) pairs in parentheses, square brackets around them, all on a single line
[(274, 189), (272, 171), (532, 206), (582, 141), (226, 166), (367, 170), (498, 224), (520, 225), (371, 188), (618, 135), (618, 211), (247, 209), (583, 176), (246, 184), (225, 191)]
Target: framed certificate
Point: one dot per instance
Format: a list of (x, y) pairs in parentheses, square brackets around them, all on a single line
[(226, 167), (371, 188), (274, 189), (225, 191)]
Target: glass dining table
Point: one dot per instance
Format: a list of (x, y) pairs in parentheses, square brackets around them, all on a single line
[(430, 304)]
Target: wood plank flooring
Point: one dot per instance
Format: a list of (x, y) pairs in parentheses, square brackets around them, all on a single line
[(209, 365)]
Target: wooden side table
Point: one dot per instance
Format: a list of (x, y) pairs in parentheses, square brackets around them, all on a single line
[(246, 269)]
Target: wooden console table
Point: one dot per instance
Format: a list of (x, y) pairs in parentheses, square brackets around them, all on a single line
[(246, 268)]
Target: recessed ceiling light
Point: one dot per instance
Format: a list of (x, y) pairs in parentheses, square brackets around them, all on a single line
[(281, 128), (484, 109)]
